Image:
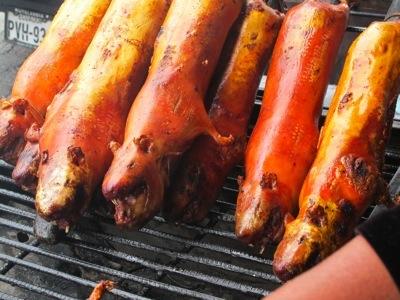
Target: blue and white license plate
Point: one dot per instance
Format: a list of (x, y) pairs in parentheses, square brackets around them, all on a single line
[(26, 27)]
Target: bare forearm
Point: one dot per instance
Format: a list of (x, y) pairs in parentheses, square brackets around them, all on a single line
[(353, 272)]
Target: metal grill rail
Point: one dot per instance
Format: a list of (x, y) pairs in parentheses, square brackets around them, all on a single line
[(159, 261)]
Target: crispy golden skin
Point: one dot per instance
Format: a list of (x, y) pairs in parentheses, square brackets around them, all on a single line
[(345, 177), (206, 164), (92, 109), (169, 112), (47, 70), (284, 141)]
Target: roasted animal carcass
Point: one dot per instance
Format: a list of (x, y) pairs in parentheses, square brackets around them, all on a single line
[(91, 110), (26, 170), (206, 164), (345, 177), (284, 142), (46, 71), (169, 112)]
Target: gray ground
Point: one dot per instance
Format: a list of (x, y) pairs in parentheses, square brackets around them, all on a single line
[(11, 57)]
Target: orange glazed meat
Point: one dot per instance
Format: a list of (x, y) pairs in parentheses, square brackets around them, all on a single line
[(25, 173), (169, 112), (345, 177), (205, 166), (91, 111), (283, 144), (46, 71)]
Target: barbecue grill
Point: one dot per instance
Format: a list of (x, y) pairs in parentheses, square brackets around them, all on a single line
[(160, 261)]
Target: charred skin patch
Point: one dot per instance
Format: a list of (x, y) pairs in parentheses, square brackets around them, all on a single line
[(68, 214), (324, 228), (131, 165), (76, 155), (168, 55), (20, 106), (106, 53), (267, 229), (348, 97), (269, 181), (273, 229), (144, 143), (342, 225), (314, 257), (356, 169), (340, 230), (188, 195), (191, 211), (45, 156), (25, 172), (347, 209), (317, 215)]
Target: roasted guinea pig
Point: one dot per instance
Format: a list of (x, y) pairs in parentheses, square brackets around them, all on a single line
[(169, 112), (26, 169), (345, 176), (46, 71), (204, 167), (284, 141), (91, 111)]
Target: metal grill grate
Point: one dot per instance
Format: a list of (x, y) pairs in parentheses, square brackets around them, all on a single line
[(160, 261)]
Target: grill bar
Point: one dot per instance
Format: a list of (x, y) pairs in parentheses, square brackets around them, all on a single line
[(205, 261), (66, 276), (33, 288), (7, 267), (82, 236), (104, 270), (4, 296), (358, 29), (367, 14), (188, 242), (122, 275), (110, 252)]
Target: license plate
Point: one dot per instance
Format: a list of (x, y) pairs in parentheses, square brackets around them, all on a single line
[(26, 27)]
